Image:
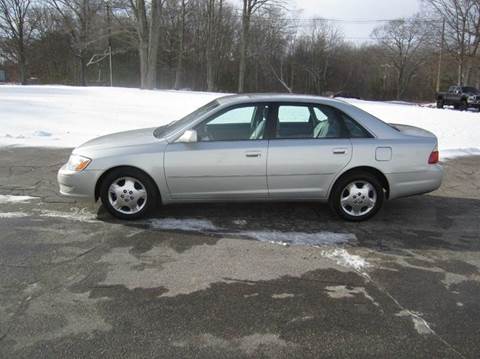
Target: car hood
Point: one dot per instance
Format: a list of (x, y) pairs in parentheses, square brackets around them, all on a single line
[(121, 139)]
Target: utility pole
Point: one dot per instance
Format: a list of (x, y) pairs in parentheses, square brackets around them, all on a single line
[(109, 25), (440, 58)]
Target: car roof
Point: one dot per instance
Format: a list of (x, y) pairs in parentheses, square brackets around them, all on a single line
[(277, 97)]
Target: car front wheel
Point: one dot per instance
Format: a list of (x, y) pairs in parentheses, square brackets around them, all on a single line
[(128, 193), (357, 196)]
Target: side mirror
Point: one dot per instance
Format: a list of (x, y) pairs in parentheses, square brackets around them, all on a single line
[(189, 136)]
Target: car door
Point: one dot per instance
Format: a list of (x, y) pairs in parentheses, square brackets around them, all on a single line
[(228, 161), (307, 149)]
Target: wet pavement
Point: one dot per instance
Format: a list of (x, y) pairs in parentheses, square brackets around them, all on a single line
[(236, 280)]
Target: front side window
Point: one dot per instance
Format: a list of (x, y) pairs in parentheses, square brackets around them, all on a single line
[(236, 124)]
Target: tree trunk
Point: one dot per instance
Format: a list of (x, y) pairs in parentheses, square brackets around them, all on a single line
[(181, 39), (148, 37), (83, 69), (22, 63), (243, 48), (143, 55), (460, 73), (210, 41)]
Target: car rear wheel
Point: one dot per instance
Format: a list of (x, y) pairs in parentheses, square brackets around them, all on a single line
[(440, 104), (128, 193), (357, 196), (464, 106)]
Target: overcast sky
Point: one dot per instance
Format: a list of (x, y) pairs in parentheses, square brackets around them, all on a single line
[(357, 10)]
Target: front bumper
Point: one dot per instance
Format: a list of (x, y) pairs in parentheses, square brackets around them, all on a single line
[(77, 184)]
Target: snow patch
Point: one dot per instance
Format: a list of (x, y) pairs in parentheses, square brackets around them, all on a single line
[(420, 324), (6, 198), (342, 291), (76, 214), (240, 222), (13, 215), (188, 225), (450, 154), (300, 238), (283, 295), (345, 259), (276, 237), (42, 134)]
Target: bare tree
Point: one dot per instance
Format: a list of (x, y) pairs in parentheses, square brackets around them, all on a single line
[(249, 8), (317, 51), (78, 18), (181, 44), (214, 17), (462, 32), (403, 41), (148, 24), (16, 30)]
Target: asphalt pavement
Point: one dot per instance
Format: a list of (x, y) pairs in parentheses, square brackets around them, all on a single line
[(274, 280)]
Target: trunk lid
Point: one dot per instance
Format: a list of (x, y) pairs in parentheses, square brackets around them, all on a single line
[(412, 130)]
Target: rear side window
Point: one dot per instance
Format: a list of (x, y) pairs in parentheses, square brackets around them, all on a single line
[(307, 121), (353, 128)]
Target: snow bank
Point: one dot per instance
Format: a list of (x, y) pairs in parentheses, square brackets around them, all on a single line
[(458, 132), (63, 116)]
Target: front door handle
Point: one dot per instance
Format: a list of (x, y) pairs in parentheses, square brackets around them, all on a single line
[(339, 151), (253, 154)]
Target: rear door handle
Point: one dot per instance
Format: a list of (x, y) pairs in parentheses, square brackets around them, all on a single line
[(253, 154), (339, 151)]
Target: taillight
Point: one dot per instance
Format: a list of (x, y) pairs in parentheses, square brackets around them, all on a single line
[(434, 157)]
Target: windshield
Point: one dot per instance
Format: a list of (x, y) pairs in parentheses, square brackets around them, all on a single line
[(172, 126)]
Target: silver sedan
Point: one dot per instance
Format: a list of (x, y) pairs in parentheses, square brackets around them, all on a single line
[(259, 147)]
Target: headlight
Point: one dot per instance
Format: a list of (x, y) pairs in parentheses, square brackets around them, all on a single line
[(77, 163)]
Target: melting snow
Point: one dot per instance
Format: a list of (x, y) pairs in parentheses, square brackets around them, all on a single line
[(420, 324), (13, 215), (81, 215), (300, 238), (277, 237), (5, 198), (183, 224), (343, 258)]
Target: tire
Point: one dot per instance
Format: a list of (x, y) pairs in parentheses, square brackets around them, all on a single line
[(440, 104), (464, 106), (139, 191), (350, 208)]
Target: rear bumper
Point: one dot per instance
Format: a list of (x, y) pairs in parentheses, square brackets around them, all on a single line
[(77, 184), (412, 183)]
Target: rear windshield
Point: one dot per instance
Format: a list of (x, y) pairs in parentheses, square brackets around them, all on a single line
[(172, 126)]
